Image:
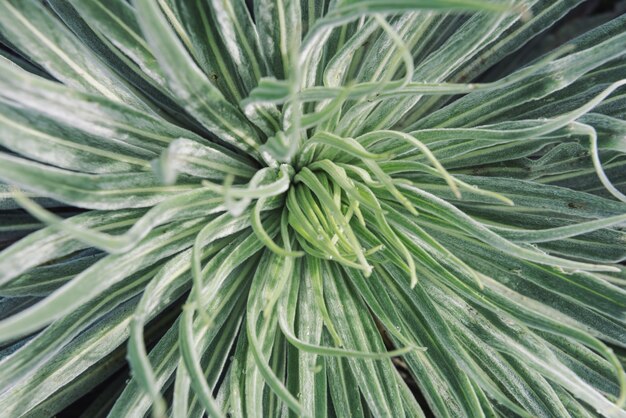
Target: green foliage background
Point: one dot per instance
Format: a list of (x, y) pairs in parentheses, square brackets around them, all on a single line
[(342, 208)]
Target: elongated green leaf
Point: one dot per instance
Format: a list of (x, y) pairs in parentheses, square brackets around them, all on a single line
[(33, 136), (97, 279), (41, 281), (374, 378), (54, 338), (87, 190), (92, 114), (65, 372), (29, 25), (116, 21), (49, 243), (197, 94)]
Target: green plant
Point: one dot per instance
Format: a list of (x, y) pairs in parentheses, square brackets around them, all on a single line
[(312, 211)]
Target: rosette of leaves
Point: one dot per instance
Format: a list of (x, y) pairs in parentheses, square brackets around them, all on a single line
[(342, 208)]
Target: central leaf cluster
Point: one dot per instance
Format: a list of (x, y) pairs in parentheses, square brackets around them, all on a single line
[(334, 203)]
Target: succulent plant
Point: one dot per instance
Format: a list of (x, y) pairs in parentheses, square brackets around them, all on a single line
[(342, 208)]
